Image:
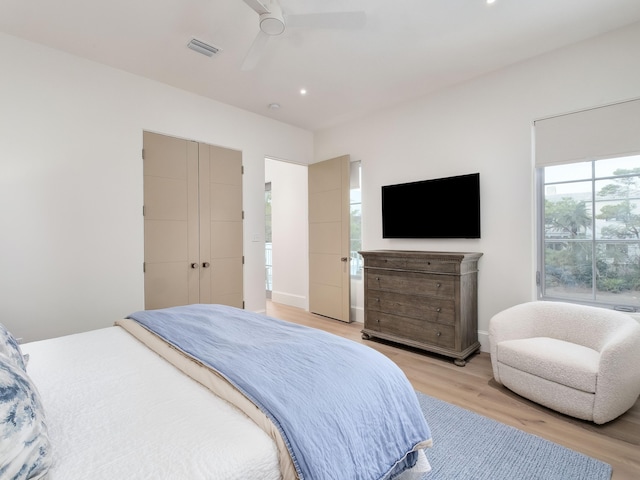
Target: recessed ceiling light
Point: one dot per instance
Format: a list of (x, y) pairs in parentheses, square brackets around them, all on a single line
[(489, 2), (303, 91), (274, 106)]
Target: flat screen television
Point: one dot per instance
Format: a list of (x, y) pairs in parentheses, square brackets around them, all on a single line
[(438, 208)]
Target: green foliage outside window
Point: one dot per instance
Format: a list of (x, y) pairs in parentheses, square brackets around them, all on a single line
[(592, 240)]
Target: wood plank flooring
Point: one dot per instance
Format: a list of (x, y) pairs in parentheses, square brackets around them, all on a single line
[(473, 387)]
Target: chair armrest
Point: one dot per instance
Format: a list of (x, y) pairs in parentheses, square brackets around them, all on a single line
[(618, 384), (513, 323)]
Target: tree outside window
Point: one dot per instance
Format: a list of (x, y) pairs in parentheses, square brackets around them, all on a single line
[(591, 245)]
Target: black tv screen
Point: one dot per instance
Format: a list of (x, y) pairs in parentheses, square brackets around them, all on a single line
[(438, 208)]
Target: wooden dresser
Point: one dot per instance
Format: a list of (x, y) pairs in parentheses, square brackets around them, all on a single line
[(427, 300)]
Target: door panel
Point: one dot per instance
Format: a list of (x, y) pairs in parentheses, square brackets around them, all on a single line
[(166, 241), (226, 169), (167, 284), (226, 203), (166, 198), (326, 206), (329, 272), (227, 277), (325, 295), (226, 240), (326, 270), (167, 156), (221, 225), (170, 228), (325, 237)]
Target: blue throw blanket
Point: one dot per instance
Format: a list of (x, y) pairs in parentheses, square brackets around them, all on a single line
[(344, 410)]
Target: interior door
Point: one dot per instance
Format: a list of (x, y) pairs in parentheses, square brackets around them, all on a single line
[(329, 269), (171, 243), (221, 254)]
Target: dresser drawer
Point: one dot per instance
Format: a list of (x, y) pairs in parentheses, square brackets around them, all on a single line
[(414, 264), (410, 283), (412, 329), (432, 309)]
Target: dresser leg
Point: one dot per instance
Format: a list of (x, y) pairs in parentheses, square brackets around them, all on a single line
[(461, 362), (366, 336)]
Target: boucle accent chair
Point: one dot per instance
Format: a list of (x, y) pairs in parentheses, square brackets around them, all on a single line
[(579, 360)]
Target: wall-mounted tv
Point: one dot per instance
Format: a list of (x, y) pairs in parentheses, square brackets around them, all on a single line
[(438, 208)]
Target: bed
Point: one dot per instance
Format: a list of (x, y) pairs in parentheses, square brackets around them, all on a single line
[(185, 393)]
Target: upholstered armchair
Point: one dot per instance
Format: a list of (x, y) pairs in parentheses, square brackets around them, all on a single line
[(579, 360)]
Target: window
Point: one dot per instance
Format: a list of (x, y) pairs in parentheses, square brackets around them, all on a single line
[(590, 219), (588, 191), (355, 204), (268, 245)]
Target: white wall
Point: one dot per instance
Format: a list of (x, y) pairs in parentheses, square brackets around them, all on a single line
[(71, 231), (485, 126), (71, 227), (290, 232)]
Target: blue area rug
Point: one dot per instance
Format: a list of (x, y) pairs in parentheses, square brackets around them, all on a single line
[(468, 446)]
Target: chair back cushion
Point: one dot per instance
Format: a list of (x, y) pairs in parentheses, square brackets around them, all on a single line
[(584, 325)]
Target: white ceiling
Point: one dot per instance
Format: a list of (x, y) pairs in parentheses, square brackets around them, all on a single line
[(407, 49)]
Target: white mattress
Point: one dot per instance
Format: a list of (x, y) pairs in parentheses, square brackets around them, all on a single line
[(117, 410)]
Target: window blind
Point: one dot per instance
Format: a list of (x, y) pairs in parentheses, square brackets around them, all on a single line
[(602, 132)]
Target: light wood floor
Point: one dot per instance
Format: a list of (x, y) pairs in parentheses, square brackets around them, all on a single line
[(473, 387)]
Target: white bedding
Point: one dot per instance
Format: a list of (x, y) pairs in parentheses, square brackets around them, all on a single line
[(167, 426)]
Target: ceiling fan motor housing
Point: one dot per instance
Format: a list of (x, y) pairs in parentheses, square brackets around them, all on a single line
[(272, 23)]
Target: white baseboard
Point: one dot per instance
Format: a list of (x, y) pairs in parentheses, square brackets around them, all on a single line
[(291, 300), (483, 338)]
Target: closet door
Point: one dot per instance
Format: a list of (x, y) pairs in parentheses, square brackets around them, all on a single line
[(193, 249), (221, 253), (171, 243)]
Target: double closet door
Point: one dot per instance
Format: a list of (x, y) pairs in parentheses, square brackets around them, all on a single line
[(192, 223)]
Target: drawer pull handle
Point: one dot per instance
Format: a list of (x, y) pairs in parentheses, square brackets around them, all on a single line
[(378, 279), (438, 334), (378, 300), (438, 309), (438, 285)]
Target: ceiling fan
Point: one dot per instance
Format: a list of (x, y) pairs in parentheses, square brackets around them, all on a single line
[(273, 22)]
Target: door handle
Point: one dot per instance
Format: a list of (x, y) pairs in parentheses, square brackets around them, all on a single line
[(194, 265), (345, 259), (206, 264)]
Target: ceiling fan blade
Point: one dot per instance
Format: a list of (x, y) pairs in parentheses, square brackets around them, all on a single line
[(255, 52), (327, 20), (257, 6)]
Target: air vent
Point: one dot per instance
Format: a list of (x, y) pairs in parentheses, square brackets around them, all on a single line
[(203, 48)]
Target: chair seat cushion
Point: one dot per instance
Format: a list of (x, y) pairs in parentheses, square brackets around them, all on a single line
[(556, 360)]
